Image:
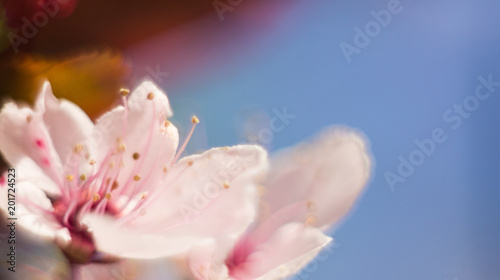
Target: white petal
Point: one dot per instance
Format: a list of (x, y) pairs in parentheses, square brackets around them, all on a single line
[(23, 134), (193, 207), (33, 210), (327, 176), (289, 249), (67, 124)]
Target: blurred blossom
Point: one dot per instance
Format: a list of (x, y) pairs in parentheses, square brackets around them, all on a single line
[(308, 190), (20, 11), (116, 188)]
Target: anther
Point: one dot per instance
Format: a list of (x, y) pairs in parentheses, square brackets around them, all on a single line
[(92, 162), (111, 164), (195, 120), (78, 148), (165, 169), (190, 163), (96, 197), (124, 92), (311, 220), (137, 177), (29, 118), (114, 186), (108, 196), (151, 96), (136, 156), (226, 185), (69, 177), (83, 177)]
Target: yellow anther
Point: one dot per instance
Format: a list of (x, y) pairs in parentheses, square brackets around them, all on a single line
[(92, 162), (137, 177), (166, 123), (114, 186), (226, 185), (83, 177), (311, 220), (136, 156), (144, 196), (108, 196), (195, 120), (78, 148), (96, 197), (190, 163), (111, 164), (151, 96), (124, 92), (69, 177), (121, 147)]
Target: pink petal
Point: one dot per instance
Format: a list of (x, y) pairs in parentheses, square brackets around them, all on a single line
[(67, 124), (34, 210), (23, 134), (192, 206), (143, 141), (325, 177), (288, 250)]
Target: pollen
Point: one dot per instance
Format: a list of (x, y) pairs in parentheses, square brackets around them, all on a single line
[(78, 148), (226, 185), (136, 156), (137, 177), (124, 92), (190, 163), (96, 197), (108, 196), (151, 96), (195, 120), (69, 177), (122, 147), (311, 220), (83, 177)]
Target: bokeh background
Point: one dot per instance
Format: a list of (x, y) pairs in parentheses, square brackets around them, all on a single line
[(235, 71)]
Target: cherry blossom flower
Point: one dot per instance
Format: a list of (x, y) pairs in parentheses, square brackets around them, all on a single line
[(308, 190), (117, 188)]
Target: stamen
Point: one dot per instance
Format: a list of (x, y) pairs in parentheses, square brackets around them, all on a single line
[(226, 185), (136, 156), (69, 177), (114, 186), (195, 121), (78, 148), (108, 196), (190, 163), (137, 177), (151, 96), (83, 177), (124, 92), (92, 162), (96, 197)]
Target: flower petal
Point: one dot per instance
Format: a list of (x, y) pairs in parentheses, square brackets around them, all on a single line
[(67, 124), (23, 134), (326, 176), (289, 249), (34, 210), (204, 196)]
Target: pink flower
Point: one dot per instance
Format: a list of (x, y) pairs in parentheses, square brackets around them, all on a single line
[(116, 187), (309, 188)]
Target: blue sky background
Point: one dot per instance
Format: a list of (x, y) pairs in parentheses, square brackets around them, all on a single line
[(443, 222)]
